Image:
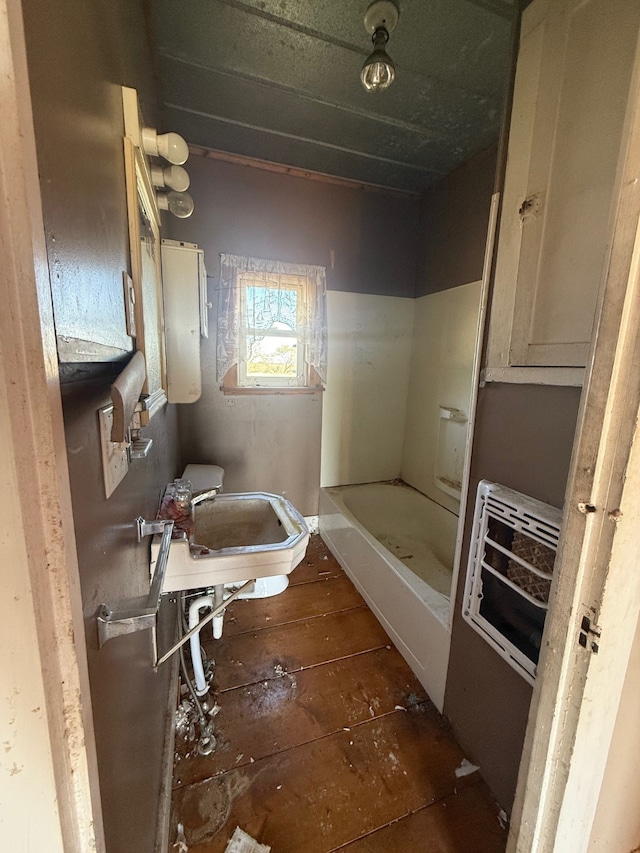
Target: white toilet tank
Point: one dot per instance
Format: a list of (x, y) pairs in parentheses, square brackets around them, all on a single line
[(204, 477)]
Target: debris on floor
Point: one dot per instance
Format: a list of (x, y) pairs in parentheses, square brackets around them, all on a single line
[(180, 845), (466, 768), (503, 819), (240, 842), (185, 721)]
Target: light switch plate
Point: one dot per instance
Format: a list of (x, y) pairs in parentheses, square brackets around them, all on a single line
[(115, 460)]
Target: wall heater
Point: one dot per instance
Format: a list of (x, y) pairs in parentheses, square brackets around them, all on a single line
[(512, 552)]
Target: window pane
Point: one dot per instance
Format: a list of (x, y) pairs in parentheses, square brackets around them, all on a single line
[(271, 306), (269, 355)]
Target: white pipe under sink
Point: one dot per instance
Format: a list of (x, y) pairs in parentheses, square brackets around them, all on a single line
[(262, 588)]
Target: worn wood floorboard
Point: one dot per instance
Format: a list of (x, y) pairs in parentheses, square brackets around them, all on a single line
[(268, 717), (326, 741), (338, 593), (464, 822), (321, 795), (318, 564), (256, 656)]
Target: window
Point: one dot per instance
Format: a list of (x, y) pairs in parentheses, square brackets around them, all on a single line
[(271, 330), (271, 325)]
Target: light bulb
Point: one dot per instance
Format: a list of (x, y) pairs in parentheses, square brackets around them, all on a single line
[(171, 146), (174, 177), (180, 204), (378, 71)]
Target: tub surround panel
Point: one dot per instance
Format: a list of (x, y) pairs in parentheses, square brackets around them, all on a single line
[(444, 332), (365, 402), (523, 439)]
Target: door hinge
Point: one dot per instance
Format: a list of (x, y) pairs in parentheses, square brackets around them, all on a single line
[(586, 629)]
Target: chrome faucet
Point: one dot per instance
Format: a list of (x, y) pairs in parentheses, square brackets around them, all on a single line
[(206, 495)]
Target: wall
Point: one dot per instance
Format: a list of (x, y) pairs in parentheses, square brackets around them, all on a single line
[(523, 439), (368, 243), (365, 402), (79, 54), (455, 216), (444, 344)]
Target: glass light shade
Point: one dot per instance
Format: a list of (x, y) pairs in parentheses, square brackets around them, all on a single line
[(180, 204), (378, 71), (174, 177), (173, 148)]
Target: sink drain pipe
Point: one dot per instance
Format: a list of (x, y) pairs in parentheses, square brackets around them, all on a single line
[(208, 618), (204, 601)]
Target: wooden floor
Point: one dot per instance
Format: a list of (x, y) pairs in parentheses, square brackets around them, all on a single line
[(325, 739)]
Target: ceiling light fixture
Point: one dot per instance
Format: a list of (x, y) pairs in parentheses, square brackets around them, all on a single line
[(379, 70)]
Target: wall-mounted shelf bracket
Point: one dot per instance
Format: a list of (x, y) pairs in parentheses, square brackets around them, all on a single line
[(115, 622)]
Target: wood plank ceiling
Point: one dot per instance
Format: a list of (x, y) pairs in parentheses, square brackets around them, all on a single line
[(278, 80)]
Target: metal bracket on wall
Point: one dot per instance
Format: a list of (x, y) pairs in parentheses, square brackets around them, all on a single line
[(115, 622)]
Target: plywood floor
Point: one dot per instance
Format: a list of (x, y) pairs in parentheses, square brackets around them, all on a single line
[(325, 739)]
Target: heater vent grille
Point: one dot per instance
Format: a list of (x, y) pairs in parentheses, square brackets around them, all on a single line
[(513, 547)]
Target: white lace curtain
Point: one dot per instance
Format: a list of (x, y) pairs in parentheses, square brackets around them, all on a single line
[(314, 327)]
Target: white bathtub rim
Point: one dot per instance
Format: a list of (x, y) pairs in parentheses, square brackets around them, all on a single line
[(437, 603)]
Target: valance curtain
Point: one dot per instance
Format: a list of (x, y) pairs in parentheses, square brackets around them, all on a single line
[(229, 319)]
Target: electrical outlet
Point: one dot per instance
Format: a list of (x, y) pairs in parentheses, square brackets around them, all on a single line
[(115, 459)]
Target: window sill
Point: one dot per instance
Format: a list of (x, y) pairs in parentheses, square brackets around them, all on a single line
[(234, 391)]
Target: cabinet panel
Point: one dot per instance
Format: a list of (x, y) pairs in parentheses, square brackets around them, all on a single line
[(185, 311), (570, 98)]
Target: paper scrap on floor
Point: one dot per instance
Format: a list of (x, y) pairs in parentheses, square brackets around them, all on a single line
[(240, 842), (466, 768)]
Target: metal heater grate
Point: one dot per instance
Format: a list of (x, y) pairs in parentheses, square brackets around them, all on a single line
[(512, 552)]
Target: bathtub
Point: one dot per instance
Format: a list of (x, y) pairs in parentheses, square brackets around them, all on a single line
[(398, 547)]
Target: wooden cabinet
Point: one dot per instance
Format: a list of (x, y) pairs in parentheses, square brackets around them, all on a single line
[(572, 84)]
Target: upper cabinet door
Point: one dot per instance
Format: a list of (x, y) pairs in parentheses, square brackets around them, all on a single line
[(572, 84)]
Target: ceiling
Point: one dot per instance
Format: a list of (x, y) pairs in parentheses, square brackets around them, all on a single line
[(278, 80)]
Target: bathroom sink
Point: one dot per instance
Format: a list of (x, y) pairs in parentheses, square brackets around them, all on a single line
[(236, 537)]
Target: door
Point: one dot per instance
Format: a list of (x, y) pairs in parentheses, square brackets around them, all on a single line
[(592, 619)]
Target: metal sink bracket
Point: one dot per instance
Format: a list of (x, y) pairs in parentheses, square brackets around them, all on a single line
[(115, 622)]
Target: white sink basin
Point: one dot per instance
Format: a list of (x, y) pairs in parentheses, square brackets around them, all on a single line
[(237, 537)]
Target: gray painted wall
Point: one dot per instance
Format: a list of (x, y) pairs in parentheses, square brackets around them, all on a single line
[(455, 217), (246, 211), (523, 439), (273, 442), (79, 54)]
